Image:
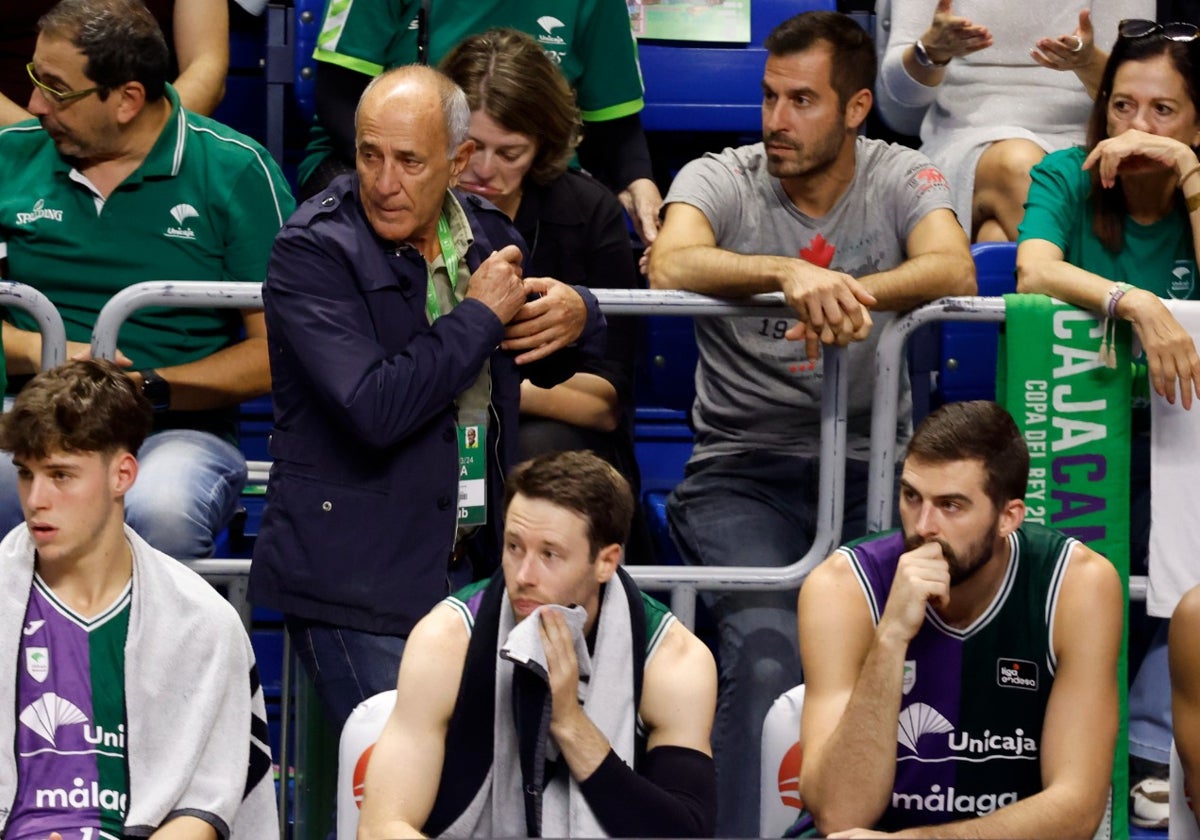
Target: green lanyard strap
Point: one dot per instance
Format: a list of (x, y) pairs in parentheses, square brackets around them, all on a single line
[(450, 258)]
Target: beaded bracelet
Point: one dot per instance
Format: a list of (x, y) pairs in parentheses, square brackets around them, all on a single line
[(1115, 293)]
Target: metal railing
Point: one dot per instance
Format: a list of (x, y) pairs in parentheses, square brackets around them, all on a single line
[(49, 322), (685, 581)]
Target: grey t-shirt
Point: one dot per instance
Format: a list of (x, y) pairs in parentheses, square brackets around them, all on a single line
[(755, 389)]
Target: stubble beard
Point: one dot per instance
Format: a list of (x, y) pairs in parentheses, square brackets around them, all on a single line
[(966, 564), (807, 163)]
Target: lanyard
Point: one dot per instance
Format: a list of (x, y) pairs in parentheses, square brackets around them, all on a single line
[(450, 258)]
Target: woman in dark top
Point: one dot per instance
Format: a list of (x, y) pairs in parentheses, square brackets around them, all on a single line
[(525, 126)]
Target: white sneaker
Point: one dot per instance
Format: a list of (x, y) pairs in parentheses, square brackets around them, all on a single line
[(1149, 803)]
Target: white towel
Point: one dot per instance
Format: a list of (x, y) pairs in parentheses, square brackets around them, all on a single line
[(498, 810), (1174, 502)]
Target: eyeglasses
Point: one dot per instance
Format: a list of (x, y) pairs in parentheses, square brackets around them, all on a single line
[(1178, 31), (58, 97)]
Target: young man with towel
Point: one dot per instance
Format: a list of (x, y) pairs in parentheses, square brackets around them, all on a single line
[(135, 709), (961, 672), (554, 700)]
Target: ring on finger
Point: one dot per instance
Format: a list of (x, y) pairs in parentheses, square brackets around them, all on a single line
[(1078, 44)]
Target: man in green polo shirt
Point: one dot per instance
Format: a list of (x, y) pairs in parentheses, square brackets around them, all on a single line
[(116, 184)]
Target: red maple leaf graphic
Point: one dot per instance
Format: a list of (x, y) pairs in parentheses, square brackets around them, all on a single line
[(818, 252), (930, 175)]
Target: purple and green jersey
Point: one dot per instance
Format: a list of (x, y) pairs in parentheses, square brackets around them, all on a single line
[(970, 730), (72, 775)]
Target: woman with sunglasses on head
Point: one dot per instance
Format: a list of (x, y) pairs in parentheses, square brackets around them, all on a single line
[(1115, 228), (525, 126)]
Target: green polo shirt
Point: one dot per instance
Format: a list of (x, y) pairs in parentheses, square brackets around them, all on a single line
[(204, 205), (590, 41)]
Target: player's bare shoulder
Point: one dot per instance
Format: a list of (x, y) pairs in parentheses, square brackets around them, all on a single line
[(679, 691), (680, 652), (1088, 568), (832, 578), (436, 652)]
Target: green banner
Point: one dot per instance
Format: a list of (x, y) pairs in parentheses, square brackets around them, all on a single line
[(726, 21), (1075, 414)]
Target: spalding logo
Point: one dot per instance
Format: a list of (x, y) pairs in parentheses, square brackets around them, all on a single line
[(360, 775), (789, 778)]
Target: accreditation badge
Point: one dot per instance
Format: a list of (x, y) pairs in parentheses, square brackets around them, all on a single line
[(472, 474)]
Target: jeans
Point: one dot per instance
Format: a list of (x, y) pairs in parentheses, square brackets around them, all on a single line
[(346, 666), (752, 509), (1150, 704), (1150, 693), (187, 490)]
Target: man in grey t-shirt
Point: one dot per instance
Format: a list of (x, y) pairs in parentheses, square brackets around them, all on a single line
[(847, 228)]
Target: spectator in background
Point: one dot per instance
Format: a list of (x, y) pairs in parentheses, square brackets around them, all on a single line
[(197, 30), (399, 319), (1115, 228), (120, 184), (849, 229), (589, 40), (525, 125), (973, 78)]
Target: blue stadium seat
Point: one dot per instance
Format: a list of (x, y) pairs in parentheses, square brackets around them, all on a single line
[(309, 15), (968, 363), (713, 87), (662, 438), (245, 83)]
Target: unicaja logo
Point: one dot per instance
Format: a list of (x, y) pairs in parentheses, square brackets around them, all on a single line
[(549, 23), (921, 719), (39, 211), (181, 213), (46, 714)]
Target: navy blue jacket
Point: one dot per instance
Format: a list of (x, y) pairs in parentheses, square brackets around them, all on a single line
[(363, 495)]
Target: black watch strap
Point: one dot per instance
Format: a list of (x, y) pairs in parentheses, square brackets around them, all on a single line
[(156, 389)]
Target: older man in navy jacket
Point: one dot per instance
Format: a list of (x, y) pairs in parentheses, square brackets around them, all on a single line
[(399, 327)]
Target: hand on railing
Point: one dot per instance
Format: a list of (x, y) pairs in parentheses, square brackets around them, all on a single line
[(81, 351), (833, 307)]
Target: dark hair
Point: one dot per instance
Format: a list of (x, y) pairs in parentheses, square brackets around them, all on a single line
[(853, 64), (81, 406), (121, 39), (584, 483), (508, 76), (979, 430), (1108, 219)]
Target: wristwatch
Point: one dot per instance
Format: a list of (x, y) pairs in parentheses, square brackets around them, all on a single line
[(922, 56), (156, 389)]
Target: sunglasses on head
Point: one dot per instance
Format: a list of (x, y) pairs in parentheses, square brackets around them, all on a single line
[(1177, 31)]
